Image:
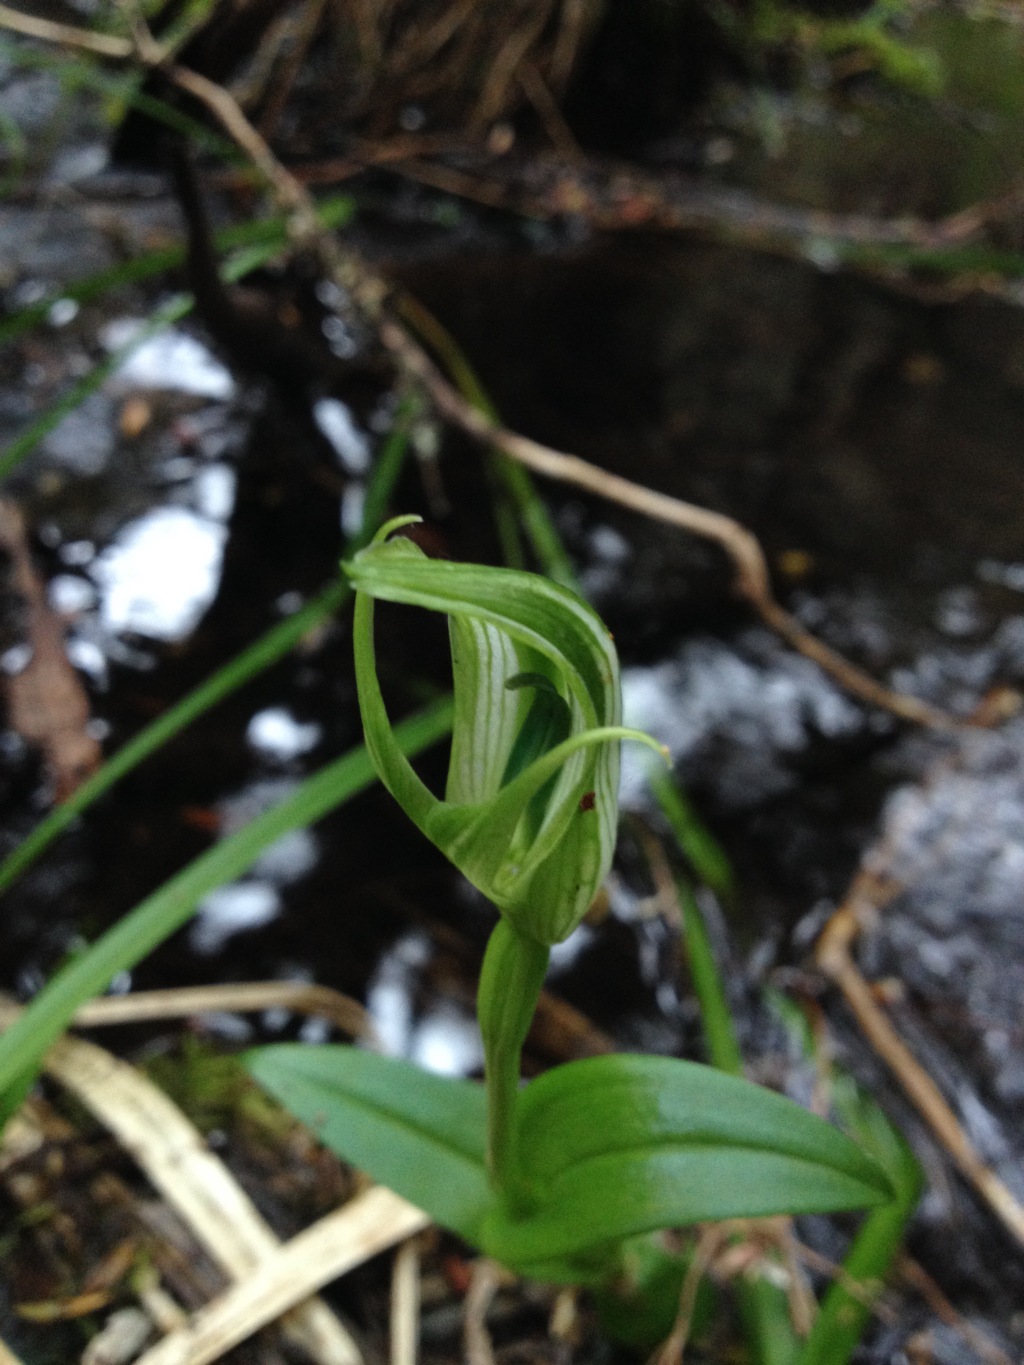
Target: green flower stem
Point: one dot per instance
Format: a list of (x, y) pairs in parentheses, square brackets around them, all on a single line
[(510, 984)]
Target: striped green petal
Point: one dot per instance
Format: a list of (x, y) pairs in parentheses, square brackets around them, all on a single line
[(531, 802)]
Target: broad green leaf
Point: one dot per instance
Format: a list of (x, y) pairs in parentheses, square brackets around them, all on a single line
[(614, 1146), (530, 809), (419, 1134)]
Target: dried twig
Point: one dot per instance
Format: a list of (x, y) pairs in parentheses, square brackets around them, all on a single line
[(405, 1304), (192, 1180), (740, 545), (104, 45), (867, 1292), (709, 1243), (182, 1002), (834, 957), (535, 89), (484, 1283), (363, 1228), (299, 38)]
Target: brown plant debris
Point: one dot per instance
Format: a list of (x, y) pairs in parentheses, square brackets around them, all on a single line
[(47, 702), (834, 956)]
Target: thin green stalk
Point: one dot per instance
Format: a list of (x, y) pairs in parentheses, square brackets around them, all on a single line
[(158, 916), (767, 1322), (763, 1307), (251, 661), (536, 521), (15, 147), (712, 867), (246, 665), (715, 1016), (510, 984), (385, 474), (506, 518), (847, 1305), (695, 841), (170, 312), (334, 212), (516, 481), (83, 71)]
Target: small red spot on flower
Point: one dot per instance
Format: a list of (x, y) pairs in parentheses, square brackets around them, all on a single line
[(458, 1272), (587, 801)]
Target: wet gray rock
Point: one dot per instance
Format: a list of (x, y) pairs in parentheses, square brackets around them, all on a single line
[(954, 934)]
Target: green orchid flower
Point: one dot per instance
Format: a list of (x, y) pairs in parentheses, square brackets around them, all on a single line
[(561, 1178), (531, 803)]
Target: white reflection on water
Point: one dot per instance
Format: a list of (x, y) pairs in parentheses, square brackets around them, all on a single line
[(334, 418), (447, 1042), (213, 491), (70, 594), (160, 573), (389, 994), (445, 1039), (255, 900), (276, 734), (231, 910), (169, 360)]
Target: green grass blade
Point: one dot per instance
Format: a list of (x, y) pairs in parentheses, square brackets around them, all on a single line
[(515, 484), (246, 665), (91, 287), (844, 1314), (696, 842), (536, 521), (14, 145), (334, 212), (165, 316), (251, 661), (715, 1016), (767, 1323), (83, 72), (847, 1305), (172, 905), (763, 1307), (170, 312)]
